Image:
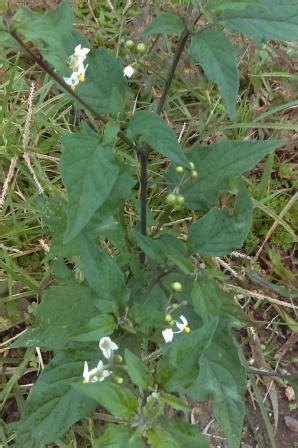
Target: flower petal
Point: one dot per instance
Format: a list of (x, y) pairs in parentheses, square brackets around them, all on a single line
[(168, 334)]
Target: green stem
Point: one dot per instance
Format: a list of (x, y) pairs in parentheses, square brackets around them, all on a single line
[(143, 151)]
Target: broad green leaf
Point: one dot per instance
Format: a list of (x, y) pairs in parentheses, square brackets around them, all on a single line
[(165, 249), (265, 20), (147, 315), (156, 133), (138, 373), (102, 325), (88, 173), (216, 6), (119, 436), (63, 309), (174, 402), (210, 301), (109, 285), (185, 434), (218, 57), (49, 32), (118, 400), (223, 379), (53, 405), (219, 232), (166, 23), (216, 164), (159, 437), (105, 86), (177, 370)]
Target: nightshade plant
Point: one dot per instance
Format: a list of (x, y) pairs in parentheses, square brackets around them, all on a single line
[(143, 327)]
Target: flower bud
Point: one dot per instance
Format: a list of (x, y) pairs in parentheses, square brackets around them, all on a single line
[(179, 169), (118, 379), (168, 318), (192, 165), (141, 48), (176, 286), (129, 43), (117, 358), (194, 174)]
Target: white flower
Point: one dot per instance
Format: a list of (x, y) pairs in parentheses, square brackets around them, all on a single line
[(78, 57), (80, 52), (73, 80), (81, 71), (107, 346), (183, 325), (128, 71), (96, 374), (168, 333)]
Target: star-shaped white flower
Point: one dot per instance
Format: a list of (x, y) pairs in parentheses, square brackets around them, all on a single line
[(96, 374), (107, 346), (81, 71), (73, 80), (128, 71), (78, 57), (168, 333)]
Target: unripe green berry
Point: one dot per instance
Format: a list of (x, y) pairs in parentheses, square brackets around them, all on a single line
[(176, 286), (179, 169), (194, 174), (141, 48), (179, 199), (171, 199), (129, 44), (192, 165), (168, 318)]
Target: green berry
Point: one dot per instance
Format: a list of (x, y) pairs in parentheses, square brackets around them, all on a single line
[(179, 169), (168, 318), (129, 43), (176, 286), (194, 174), (192, 165), (171, 199), (179, 200), (141, 48)]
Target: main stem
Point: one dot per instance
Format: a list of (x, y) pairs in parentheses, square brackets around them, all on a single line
[(143, 151)]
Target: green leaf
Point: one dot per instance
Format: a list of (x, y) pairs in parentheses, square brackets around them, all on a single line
[(147, 316), (154, 131), (265, 20), (88, 173), (185, 434), (210, 301), (218, 57), (219, 232), (177, 370), (119, 436), (99, 326), (158, 437), (216, 164), (138, 373), (166, 23), (49, 31), (118, 400), (165, 249), (105, 87), (53, 405), (62, 310), (223, 378), (174, 402)]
